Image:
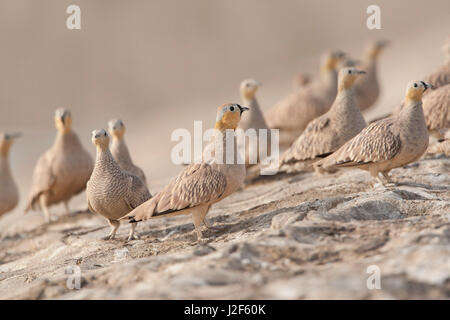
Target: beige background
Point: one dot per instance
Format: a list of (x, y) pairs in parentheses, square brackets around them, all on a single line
[(160, 65)]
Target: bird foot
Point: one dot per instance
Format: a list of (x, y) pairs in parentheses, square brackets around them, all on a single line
[(109, 237), (203, 240), (133, 237)]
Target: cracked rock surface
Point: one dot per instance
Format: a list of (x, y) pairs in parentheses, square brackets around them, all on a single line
[(295, 236)]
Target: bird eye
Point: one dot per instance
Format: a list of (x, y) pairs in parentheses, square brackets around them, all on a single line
[(231, 108), (349, 71), (104, 133), (415, 85)]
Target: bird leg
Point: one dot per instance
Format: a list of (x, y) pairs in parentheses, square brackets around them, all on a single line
[(386, 181), (132, 235), (114, 226), (66, 205), (43, 205), (387, 177), (207, 223), (197, 218)]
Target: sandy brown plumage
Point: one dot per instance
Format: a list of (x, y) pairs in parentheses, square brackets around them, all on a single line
[(292, 114), (200, 185), (119, 150), (441, 146), (367, 88), (436, 108), (9, 194), (253, 120), (111, 191), (327, 133), (388, 143), (62, 171), (301, 81)]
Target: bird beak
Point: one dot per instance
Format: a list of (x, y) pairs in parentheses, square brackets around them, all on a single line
[(242, 109), (361, 72), (427, 86)]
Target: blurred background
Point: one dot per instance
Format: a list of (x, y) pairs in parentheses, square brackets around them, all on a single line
[(161, 64)]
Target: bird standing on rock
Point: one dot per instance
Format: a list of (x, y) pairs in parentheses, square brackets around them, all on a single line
[(9, 195), (200, 185), (119, 150), (327, 133), (62, 171), (388, 143), (292, 114), (111, 191)]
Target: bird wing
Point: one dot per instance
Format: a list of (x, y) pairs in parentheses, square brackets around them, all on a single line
[(197, 184), (285, 113), (85, 168), (138, 192), (43, 179), (441, 77), (436, 108), (317, 141), (375, 143)]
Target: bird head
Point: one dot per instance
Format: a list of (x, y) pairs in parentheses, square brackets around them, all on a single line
[(347, 77), (100, 139), (330, 59), (116, 128), (415, 90), (63, 120), (229, 115), (6, 141), (249, 88), (375, 48)]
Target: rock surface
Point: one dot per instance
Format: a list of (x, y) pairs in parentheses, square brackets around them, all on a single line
[(286, 237)]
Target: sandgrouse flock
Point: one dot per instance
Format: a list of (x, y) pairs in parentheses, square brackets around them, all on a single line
[(320, 125)]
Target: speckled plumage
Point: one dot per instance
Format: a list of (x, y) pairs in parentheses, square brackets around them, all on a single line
[(388, 143), (9, 194), (199, 185), (328, 132), (436, 108), (61, 172), (111, 191), (119, 150)]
